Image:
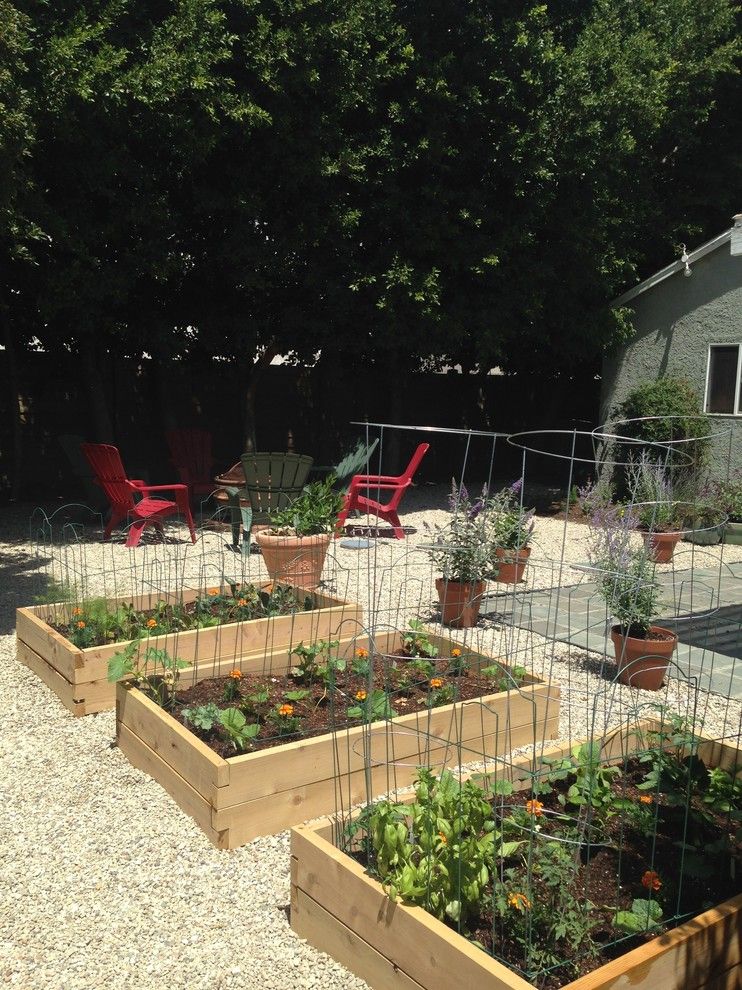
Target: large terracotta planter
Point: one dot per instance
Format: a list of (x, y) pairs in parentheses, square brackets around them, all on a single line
[(642, 663), (460, 601), (661, 546), (511, 564), (294, 560)]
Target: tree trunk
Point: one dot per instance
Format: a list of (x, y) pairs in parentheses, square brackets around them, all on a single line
[(93, 381), (15, 401), (257, 370)]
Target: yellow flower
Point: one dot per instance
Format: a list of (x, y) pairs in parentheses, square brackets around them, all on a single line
[(651, 880), (519, 901), (151, 623), (235, 674), (286, 710), (81, 624), (436, 682), (361, 653), (77, 610), (455, 653), (443, 839), (361, 695), (645, 799), (534, 807)]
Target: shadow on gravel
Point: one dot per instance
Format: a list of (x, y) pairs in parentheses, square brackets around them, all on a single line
[(21, 583)]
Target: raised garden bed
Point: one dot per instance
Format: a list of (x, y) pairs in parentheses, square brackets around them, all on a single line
[(341, 910), (78, 676), (238, 798)]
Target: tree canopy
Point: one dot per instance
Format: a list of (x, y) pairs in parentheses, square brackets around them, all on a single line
[(466, 182)]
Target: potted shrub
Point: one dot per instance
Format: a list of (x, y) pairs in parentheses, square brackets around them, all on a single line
[(463, 553), (656, 509), (728, 497), (512, 528), (626, 580), (295, 544)]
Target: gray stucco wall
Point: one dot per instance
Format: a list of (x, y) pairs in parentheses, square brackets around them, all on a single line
[(675, 322)]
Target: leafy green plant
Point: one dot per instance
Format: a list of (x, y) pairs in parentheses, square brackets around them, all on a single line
[(462, 550), (644, 915), (203, 717), (152, 670), (440, 693), (459, 665), (239, 732), (309, 669), (723, 791), (439, 851), (372, 707), (314, 511), (284, 720), (416, 641), (674, 766)]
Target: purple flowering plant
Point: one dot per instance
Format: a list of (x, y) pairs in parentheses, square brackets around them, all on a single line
[(512, 525), (463, 550), (625, 573)]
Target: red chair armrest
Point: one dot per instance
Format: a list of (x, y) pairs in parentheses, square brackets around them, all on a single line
[(379, 486), (381, 478), (138, 482), (162, 488)]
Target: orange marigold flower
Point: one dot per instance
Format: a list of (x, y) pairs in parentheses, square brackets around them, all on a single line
[(456, 653), (151, 623), (443, 839), (235, 674), (436, 682), (242, 601), (361, 695), (361, 652), (286, 710), (77, 610), (214, 591), (534, 807), (519, 901), (651, 880), (81, 624), (645, 799)]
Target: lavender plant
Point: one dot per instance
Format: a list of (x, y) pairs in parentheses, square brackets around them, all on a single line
[(463, 550), (512, 525), (653, 495), (625, 572)]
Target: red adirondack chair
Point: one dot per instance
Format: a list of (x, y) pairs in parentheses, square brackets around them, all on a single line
[(375, 483), (190, 453), (146, 511)]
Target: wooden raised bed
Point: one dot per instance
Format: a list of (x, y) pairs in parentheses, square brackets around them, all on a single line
[(79, 676), (340, 910), (236, 799)]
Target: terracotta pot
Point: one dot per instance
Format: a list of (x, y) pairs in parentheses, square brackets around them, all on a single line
[(294, 560), (643, 663), (660, 546), (511, 564), (460, 601)]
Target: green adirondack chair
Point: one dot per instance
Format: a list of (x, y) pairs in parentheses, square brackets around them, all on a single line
[(272, 480)]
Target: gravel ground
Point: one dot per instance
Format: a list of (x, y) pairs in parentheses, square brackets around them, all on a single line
[(105, 882)]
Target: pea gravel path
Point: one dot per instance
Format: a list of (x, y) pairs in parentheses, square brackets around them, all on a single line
[(104, 882)]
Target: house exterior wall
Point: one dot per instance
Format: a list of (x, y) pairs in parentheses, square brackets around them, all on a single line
[(675, 322)]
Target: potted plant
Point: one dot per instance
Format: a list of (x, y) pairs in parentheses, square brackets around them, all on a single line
[(728, 497), (295, 544), (656, 509), (512, 528), (463, 553), (626, 580)]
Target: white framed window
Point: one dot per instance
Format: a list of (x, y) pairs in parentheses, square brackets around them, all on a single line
[(724, 379)]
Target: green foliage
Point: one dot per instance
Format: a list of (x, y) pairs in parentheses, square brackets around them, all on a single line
[(152, 670), (314, 511), (663, 410), (203, 717), (56, 591), (416, 641), (309, 668), (642, 916), (438, 851), (239, 732), (674, 767), (373, 708)]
